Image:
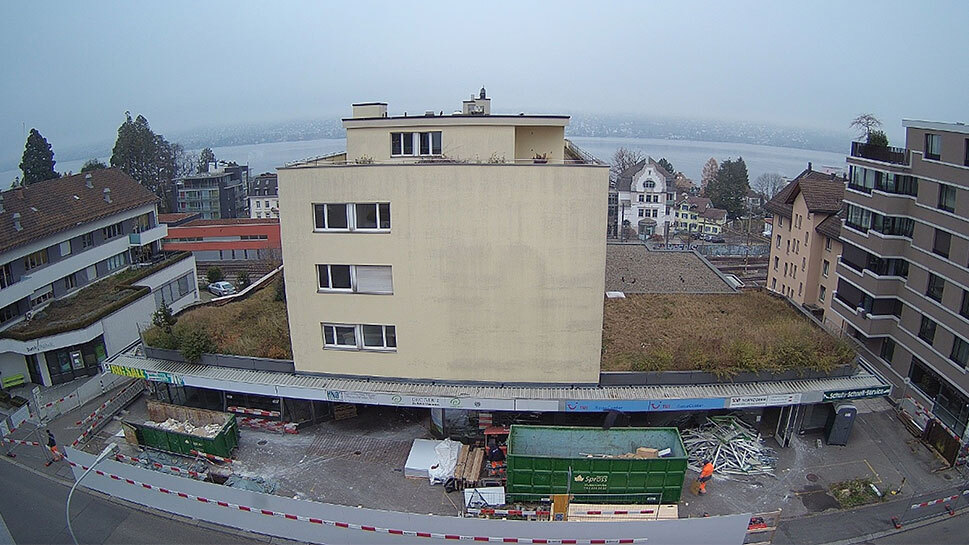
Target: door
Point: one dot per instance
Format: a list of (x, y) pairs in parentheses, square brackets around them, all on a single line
[(785, 425)]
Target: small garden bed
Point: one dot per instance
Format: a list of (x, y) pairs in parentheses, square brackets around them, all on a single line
[(855, 492), (256, 326), (721, 334)]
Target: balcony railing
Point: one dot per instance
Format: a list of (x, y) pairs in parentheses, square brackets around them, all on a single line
[(885, 154)]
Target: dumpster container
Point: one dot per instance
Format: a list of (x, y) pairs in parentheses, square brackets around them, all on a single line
[(149, 434), (595, 465)]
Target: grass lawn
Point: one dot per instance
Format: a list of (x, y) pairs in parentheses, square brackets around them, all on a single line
[(255, 326), (722, 334)]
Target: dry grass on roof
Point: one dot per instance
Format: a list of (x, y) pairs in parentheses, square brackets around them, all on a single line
[(722, 334)]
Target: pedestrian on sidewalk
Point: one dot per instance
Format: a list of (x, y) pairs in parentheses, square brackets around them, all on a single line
[(705, 475), (52, 445)]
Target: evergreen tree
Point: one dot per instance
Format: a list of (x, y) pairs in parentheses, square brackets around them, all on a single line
[(148, 158), (730, 186), (93, 164), (38, 160), (207, 156), (667, 165), (709, 174)]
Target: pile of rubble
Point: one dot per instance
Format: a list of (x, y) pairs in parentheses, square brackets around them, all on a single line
[(208, 431), (734, 447)]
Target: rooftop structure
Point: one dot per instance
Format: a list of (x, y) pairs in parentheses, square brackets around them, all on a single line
[(632, 268)]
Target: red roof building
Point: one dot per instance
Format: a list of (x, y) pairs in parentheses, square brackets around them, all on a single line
[(233, 244)]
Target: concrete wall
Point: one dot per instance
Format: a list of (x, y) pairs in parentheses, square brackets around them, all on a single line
[(497, 270), (13, 364), (725, 530), (470, 143), (532, 141)]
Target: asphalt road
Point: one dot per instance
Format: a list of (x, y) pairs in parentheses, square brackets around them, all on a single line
[(948, 531), (33, 510)]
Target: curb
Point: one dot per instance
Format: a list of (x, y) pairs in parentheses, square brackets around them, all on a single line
[(908, 526)]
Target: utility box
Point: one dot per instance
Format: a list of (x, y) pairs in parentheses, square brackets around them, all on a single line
[(838, 428), (595, 465)]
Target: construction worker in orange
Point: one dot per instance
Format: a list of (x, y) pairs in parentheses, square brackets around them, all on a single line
[(705, 475), (52, 445)]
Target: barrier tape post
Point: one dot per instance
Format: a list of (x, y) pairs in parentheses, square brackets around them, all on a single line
[(355, 526)]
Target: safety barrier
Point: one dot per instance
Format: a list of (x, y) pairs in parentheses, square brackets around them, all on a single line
[(156, 465), (269, 425), (256, 412), (212, 457), (315, 522), (117, 402), (947, 502)]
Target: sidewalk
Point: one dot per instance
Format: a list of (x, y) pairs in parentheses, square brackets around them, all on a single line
[(867, 522)]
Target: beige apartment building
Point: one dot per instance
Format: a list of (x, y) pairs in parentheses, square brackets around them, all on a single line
[(903, 285), (460, 247), (805, 246)]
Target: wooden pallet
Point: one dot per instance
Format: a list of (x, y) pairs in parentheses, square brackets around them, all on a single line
[(343, 411), (467, 470)]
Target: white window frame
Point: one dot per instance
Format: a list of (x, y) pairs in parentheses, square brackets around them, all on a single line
[(65, 248), (326, 206), (378, 228), (416, 139), (351, 211), (354, 285), (357, 337)]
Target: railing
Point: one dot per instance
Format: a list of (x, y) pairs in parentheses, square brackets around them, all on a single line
[(885, 154)]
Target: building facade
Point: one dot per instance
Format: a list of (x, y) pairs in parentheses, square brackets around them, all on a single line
[(217, 194), (805, 244), (250, 245), (64, 242), (646, 191), (387, 277), (263, 194), (696, 215), (903, 286)]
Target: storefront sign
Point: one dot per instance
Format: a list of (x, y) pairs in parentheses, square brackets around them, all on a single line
[(763, 401), (374, 398), (154, 376), (642, 405), (838, 395)]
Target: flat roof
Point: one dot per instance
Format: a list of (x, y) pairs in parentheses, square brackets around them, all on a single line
[(935, 126), (633, 268), (456, 119)]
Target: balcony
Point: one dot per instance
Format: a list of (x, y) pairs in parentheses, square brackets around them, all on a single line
[(884, 154), (148, 236)]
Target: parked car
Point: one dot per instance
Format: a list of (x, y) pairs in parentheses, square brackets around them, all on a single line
[(714, 238), (222, 288)]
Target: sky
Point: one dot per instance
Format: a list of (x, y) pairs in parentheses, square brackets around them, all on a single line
[(71, 69)]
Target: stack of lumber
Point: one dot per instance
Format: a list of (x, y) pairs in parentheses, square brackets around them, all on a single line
[(467, 472), (734, 447), (342, 411)]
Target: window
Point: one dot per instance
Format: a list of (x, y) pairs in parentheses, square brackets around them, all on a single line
[(70, 281), (941, 243), (773, 284), (427, 143), (87, 240), (778, 241), (927, 329), (800, 288), (339, 336), (933, 146), (642, 212), (267, 204), (376, 279), (887, 350), (803, 263), (858, 218), (115, 262), (91, 273), (960, 352), (258, 204), (334, 277), (185, 285), (360, 336), (966, 160), (372, 216), (36, 259), (111, 231), (379, 336), (892, 225), (822, 293), (825, 266), (947, 198), (964, 309), (785, 269), (777, 261), (6, 276), (65, 248), (655, 211), (41, 295), (642, 197), (331, 216), (935, 288), (8, 313)]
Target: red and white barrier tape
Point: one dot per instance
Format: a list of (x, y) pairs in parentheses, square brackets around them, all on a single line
[(618, 512), (922, 411), (211, 456), (363, 527), (513, 512), (61, 400), (196, 474), (937, 502), (257, 412), (105, 404), (269, 425), (22, 442)]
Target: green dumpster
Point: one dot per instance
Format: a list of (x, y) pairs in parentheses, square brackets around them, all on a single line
[(149, 434), (595, 465)]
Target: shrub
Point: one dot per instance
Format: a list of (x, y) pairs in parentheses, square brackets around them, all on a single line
[(281, 288), (164, 318), (242, 279), (192, 344), (214, 274), (877, 138)]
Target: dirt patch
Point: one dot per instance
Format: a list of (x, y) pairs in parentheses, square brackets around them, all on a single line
[(855, 492), (816, 499)]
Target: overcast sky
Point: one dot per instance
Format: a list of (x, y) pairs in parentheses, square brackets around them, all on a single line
[(71, 69)]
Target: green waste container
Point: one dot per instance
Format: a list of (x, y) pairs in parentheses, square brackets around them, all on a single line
[(587, 462), (148, 434)]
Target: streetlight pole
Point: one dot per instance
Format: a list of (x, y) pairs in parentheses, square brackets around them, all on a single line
[(104, 453)]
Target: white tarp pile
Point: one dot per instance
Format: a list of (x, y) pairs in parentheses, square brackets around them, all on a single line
[(445, 458), (209, 430), (733, 446)]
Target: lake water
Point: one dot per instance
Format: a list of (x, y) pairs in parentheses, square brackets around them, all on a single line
[(687, 156)]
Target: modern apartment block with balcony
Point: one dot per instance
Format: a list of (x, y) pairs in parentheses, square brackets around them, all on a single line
[(263, 196), (805, 243), (457, 248), (80, 268), (903, 285), (217, 194)]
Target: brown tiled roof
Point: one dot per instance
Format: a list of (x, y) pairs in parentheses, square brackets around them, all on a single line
[(52, 206), (659, 168), (701, 203), (230, 221), (625, 180), (831, 226), (172, 218), (822, 193), (715, 214)]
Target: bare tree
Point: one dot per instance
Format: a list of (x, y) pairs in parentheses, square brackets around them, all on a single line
[(709, 174), (866, 123), (768, 184), (623, 159)]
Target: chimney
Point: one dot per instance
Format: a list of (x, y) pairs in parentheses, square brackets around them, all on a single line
[(809, 166), (88, 181), (16, 222), (1, 203), (107, 195)]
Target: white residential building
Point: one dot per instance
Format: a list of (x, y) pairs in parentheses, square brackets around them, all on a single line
[(646, 196)]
